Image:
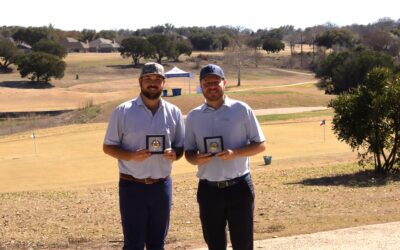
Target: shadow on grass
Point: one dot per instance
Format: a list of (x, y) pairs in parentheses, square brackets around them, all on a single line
[(366, 178), (6, 71), (133, 66), (26, 85), (126, 66)]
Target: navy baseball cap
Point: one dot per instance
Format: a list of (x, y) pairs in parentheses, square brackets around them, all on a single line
[(211, 69)]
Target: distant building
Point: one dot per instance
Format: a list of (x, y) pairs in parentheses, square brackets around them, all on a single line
[(103, 45), (24, 47), (73, 45)]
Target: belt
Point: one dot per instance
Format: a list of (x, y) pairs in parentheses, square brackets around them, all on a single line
[(141, 181), (226, 183)]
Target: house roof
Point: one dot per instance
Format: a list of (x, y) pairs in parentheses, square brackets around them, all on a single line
[(72, 43), (71, 40), (103, 43)]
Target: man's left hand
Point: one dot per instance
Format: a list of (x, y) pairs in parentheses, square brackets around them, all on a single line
[(170, 154)]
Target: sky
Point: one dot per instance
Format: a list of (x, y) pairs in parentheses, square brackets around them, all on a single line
[(134, 14)]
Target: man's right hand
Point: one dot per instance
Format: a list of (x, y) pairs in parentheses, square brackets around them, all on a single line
[(203, 158), (140, 155), (121, 154), (196, 158)]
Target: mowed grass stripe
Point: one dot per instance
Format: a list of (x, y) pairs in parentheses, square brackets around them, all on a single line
[(285, 117)]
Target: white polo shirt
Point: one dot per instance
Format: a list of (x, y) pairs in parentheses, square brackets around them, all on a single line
[(131, 122), (238, 126)]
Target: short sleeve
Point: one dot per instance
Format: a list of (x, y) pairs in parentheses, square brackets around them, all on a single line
[(179, 131), (254, 131), (190, 139), (114, 130)]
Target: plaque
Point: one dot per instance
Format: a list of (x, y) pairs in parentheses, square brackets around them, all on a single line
[(155, 143), (213, 144)]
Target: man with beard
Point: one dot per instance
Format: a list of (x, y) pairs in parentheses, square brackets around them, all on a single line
[(220, 135), (146, 135)]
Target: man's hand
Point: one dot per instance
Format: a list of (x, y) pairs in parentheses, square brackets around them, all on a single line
[(170, 154), (227, 154), (140, 155), (121, 154), (196, 158), (203, 158)]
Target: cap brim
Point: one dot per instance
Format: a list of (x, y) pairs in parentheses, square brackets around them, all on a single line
[(212, 75), (153, 74)]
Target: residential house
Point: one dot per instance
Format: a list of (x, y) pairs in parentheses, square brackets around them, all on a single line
[(103, 45), (73, 45), (24, 47)]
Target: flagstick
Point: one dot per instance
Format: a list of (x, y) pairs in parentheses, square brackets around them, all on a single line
[(324, 131), (34, 141)]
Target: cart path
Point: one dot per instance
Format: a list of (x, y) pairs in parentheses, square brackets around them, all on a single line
[(372, 237)]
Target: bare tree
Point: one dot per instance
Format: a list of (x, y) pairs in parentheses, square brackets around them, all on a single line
[(237, 49), (380, 40)]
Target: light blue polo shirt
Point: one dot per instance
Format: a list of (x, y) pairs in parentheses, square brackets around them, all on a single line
[(131, 122), (238, 126)]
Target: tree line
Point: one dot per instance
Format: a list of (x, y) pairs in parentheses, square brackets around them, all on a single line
[(330, 44)]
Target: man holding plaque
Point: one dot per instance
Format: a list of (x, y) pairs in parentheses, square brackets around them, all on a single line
[(146, 135), (220, 135)]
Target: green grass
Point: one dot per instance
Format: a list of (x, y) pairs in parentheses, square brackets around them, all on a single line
[(251, 73), (284, 117), (259, 92)]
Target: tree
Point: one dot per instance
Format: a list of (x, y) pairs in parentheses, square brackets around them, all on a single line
[(87, 35), (310, 35), (273, 45), (273, 33), (50, 47), (203, 40), (107, 34), (8, 54), (293, 38), (136, 47), (382, 41), (344, 71), (41, 66), (163, 46), (340, 37), (182, 47), (224, 40), (368, 119), (255, 43), (32, 35)]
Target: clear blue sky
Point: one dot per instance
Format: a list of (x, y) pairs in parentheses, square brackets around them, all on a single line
[(134, 14)]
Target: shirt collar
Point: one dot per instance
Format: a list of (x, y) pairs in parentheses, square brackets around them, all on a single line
[(140, 102), (227, 103)]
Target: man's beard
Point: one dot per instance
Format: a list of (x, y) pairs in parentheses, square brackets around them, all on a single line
[(151, 96), (213, 96)]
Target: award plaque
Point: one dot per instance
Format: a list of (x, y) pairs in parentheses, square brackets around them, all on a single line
[(155, 143), (213, 144)]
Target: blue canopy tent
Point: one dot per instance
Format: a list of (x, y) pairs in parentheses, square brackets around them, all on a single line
[(176, 72)]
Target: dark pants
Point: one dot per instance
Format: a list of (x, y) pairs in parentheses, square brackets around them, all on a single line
[(231, 205), (145, 213)]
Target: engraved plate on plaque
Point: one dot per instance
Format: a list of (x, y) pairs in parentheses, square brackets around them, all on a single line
[(213, 144), (155, 143)]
